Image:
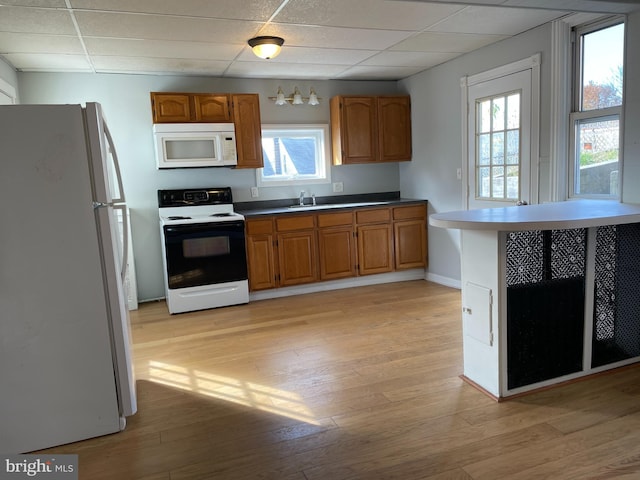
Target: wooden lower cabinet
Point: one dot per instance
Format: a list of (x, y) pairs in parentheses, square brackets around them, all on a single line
[(375, 241), (375, 249), (261, 254), (297, 249), (336, 245), (297, 257), (286, 250), (410, 236)]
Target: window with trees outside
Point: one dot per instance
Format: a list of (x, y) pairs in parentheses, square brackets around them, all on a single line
[(597, 109), (294, 155)]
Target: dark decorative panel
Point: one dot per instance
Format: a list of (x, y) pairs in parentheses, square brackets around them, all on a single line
[(545, 330), (605, 283), (616, 319), (524, 257), (534, 256)]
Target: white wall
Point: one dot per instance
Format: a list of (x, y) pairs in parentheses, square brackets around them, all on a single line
[(437, 136), (126, 103)]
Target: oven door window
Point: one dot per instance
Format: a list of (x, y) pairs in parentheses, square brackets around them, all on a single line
[(205, 254)]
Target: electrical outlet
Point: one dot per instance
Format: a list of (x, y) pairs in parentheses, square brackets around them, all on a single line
[(459, 173), (254, 192), (338, 187)]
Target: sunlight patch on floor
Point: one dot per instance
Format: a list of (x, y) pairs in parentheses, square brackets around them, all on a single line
[(248, 394)]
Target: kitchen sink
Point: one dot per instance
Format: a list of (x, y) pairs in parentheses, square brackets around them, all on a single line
[(335, 205)]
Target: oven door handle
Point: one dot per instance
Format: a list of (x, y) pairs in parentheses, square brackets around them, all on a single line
[(203, 227)]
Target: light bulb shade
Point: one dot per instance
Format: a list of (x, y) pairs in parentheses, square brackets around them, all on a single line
[(297, 97), (280, 100), (266, 47), (313, 98)]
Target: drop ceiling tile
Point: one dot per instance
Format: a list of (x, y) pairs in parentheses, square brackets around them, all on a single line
[(236, 9), (161, 48), (335, 37), (469, 2), (27, 43), (408, 59), (30, 62), (36, 3), (378, 14), (378, 73), (159, 65), (495, 20), (162, 27), (324, 56), (604, 6), (35, 20), (446, 42), (267, 69)]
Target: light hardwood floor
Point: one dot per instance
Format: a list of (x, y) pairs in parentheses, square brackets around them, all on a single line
[(352, 384)]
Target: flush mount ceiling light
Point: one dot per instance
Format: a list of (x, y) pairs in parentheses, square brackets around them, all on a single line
[(266, 47), (296, 98)]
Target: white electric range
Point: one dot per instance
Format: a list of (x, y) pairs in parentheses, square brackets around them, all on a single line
[(204, 253)]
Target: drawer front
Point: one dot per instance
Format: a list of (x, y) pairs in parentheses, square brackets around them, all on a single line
[(299, 222), (259, 227), (335, 219), (377, 215), (411, 211)]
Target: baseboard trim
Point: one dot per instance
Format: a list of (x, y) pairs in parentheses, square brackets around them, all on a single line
[(446, 281), (403, 276)]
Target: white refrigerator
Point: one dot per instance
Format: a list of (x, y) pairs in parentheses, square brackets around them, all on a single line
[(65, 353)]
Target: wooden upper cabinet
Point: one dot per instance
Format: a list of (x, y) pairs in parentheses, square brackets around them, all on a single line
[(354, 129), (170, 107), (213, 108), (246, 117), (243, 110), (190, 107), (370, 129), (394, 128)]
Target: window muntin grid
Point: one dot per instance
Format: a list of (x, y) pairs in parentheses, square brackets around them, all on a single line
[(498, 147)]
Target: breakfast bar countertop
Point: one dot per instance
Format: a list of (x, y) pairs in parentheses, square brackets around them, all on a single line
[(546, 216)]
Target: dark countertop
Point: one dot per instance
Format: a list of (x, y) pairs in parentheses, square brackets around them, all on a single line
[(274, 207)]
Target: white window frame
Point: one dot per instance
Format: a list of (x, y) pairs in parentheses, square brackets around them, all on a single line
[(576, 115), (323, 155)]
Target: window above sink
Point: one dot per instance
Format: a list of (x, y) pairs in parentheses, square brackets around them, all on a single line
[(295, 155)]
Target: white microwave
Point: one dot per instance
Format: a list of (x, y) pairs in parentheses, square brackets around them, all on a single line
[(180, 145)]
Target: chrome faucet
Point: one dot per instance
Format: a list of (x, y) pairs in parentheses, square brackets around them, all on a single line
[(302, 198)]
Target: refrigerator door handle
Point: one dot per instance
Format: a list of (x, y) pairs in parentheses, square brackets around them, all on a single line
[(125, 239), (116, 164)]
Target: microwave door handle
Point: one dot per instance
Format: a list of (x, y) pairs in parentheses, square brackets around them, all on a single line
[(116, 164)]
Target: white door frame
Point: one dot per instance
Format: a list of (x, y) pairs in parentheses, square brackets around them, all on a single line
[(7, 90), (531, 63)]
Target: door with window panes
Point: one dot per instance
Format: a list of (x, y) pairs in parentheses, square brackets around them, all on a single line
[(499, 117)]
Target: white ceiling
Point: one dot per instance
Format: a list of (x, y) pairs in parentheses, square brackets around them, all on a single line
[(324, 39)]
